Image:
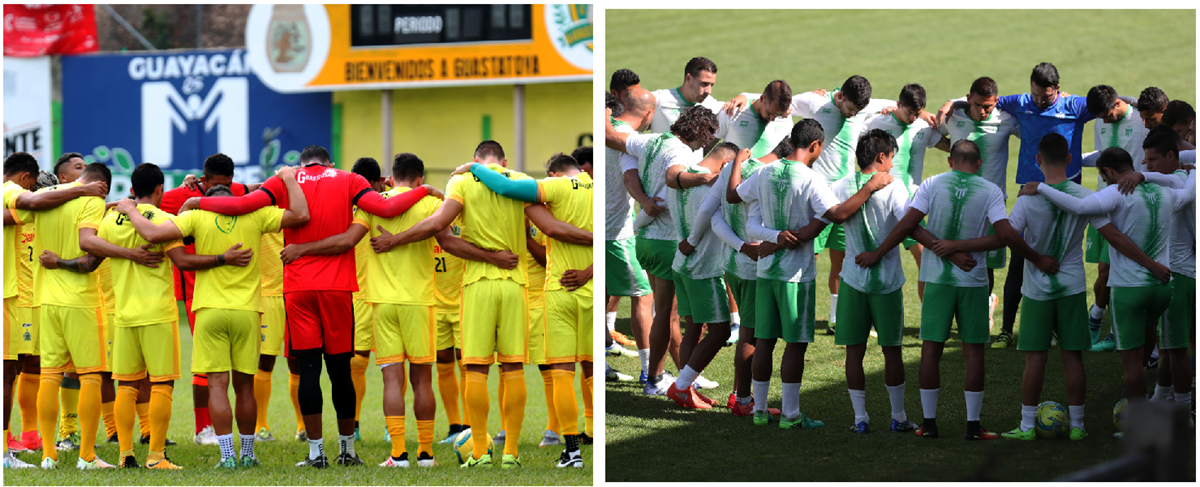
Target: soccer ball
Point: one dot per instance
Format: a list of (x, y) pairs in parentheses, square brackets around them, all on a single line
[(463, 446), (1051, 420), (1119, 414)]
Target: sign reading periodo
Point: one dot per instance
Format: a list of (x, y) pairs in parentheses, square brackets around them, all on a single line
[(296, 48)]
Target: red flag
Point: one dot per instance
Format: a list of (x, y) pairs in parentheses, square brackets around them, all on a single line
[(38, 30)]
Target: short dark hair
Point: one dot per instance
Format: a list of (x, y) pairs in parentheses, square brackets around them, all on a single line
[(1054, 149), (406, 166), (582, 155), (19, 162), (368, 168), (611, 103), (912, 96), (857, 90), (622, 79), (1177, 112), (44, 180), (560, 163), (781, 92), (489, 148), (805, 132), (97, 171), (984, 86), (1101, 99), (1044, 75), (1152, 100), (730, 147), (314, 152), (1164, 129), (965, 151), (145, 178), (698, 64), (783, 148), (63, 160), (219, 190), (1115, 158), (695, 123), (873, 143), (1162, 144), (218, 165)]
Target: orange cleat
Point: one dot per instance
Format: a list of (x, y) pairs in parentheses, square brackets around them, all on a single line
[(687, 398), (622, 339)]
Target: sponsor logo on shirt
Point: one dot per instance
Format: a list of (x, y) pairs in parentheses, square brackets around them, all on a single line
[(304, 176)]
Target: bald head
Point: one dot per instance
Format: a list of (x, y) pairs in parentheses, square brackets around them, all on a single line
[(639, 102)]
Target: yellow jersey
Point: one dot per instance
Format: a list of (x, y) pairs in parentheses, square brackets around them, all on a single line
[(229, 287), (147, 294), (362, 255), (59, 233), (402, 275), (104, 277), (535, 273), (448, 272), (490, 222), (270, 264), (11, 191), (25, 264), (569, 199)]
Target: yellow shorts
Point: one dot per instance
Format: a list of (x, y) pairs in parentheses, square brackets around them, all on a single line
[(271, 325), (147, 349), (364, 329), (449, 330), (73, 338), (30, 322), (21, 336), (568, 327), (225, 339), (405, 332), (537, 334), (110, 335), (495, 320)]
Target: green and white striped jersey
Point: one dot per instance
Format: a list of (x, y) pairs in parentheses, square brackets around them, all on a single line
[(1127, 133), (1144, 216), (991, 135), (1183, 223), (655, 153), (748, 130), (705, 261), (1052, 231), (912, 141), (869, 226), (959, 206), (671, 104), (786, 195), (735, 216), (618, 204), (841, 133)]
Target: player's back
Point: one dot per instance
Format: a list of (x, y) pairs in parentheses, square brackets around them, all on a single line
[(957, 205), (570, 201), (229, 287), (705, 260), (1183, 234), (402, 275), (270, 263), (1050, 230), (784, 191), (59, 233), (867, 228), (143, 295), (330, 194), (990, 135), (1145, 217), (912, 140), (490, 222), (656, 154), (448, 271), (735, 215)]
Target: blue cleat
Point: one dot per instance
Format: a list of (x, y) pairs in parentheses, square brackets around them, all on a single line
[(862, 428), (905, 427)]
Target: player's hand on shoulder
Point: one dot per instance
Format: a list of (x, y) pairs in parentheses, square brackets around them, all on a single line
[(190, 182), (743, 155), (383, 242), (95, 188), (1130, 181), (192, 203), (943, 112), (465, 168), (929, 118), (735, 105), (126, 206), (48, 259), (1029, 189), (286, 172), (434, 192), (878, 181)]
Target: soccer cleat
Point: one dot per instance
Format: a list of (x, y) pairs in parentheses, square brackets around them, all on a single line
[(740, 410), (425, 460), (206, 436), (509, 462), (702, 383), (30, 440), (302, 436), (11, 461), (1017, 434), (146, 441), (643, 379), (702, 397), (732, 401), (1078, 434), (348, 460), (992, 302), (483, 461), (113, 440), (550, 438), (905, 427), (1003, 340), (652, 390), (319, 462), (500, 437), (127, 460), (687, 398), (1120, 435), (584, 439), (617, 350), (570, 458), (761, 418), (621, 339), (612, 374), (95, 464), (357, 434), (830, 331), (984, 434), (862, 427), (401, 462), (227, 464), (264, 435), (15, 445), (927, 432), (163, 464), (1106, 344), (734, 330), (71, 442), (47, 463), (801, 422), (248, 462)]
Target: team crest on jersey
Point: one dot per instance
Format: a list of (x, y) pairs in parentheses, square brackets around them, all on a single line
[(225, 223), (1103, 130), (533, 231), (960, 192), (744, 124), (1152, 198), (961, 124), (455, 230), (921, 136), (1128, 132), (27, 336), (826, 110)]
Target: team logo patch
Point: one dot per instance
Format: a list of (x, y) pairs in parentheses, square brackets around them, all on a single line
[(225, 223), (1128, 132)]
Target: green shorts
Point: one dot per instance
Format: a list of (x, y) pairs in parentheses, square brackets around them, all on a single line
[(1066, 316), (702, 299), (832, 237), (785, 310), (1096, 249), (1177, 323), (622, 272), (995, 258), (969, 305), (656, 256), (1135, 310), (859, 311), (745, 296)]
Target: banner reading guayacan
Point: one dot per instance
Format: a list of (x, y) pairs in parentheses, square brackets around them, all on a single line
[(178, 107), (38, 30), (27, 114)]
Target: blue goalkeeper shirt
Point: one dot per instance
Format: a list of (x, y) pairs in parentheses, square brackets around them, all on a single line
[(1066, 117)]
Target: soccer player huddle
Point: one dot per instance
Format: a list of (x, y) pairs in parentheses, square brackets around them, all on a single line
[(319, 264), (727, 236)]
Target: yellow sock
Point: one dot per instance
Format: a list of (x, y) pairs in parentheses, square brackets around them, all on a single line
[(126, 411), (514, 408), (477, 411), (358, 375), (448, 389), (143, 414), (262, 395), (395, 427), (564, 401), (70, 407), (462, 390), (108, 412), (89, 415), (501, 389), (294, 388), (27, 400), (48, 412), (587, 405), (552, 423), (425, 437), (160, 416)]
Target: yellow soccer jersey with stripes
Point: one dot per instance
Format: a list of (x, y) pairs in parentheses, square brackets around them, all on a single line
[(59, 233), (535, 273), (401, 275), (448, 272), (490, 222), (229, 287), (270, 264), (25, 263), (11, 191), (362, 255), (570, 200), (144, 295)]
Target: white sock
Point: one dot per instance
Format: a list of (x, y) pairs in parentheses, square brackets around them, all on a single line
[(743, 401), (735, 318), (1097, 313), (975, 405), (226, 442), (346, 444), (1028, 416), (858, 400), (316, 448), (610, 319), (1162, 393), (832, 309), (759, 390), (247, 446), (644, 357), (1184, 398), (1154, 353), (929, 399), (896, 395), (686, 377), (1076, 415), (791, 400)]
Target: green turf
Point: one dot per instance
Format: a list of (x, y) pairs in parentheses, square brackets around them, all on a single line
[(650, 439), (279, 457)]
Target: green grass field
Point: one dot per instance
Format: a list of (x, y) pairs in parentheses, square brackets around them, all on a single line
[(279, 457), (651, 439)]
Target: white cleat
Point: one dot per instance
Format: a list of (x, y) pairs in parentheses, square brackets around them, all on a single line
[(11, 461), (611, 374), (391, 462), (619, 351), (95, 464), (702, 383), (550, 438), (49, 463), (206, 436)]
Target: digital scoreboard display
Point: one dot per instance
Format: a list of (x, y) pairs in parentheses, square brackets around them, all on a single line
[(403, 25)]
